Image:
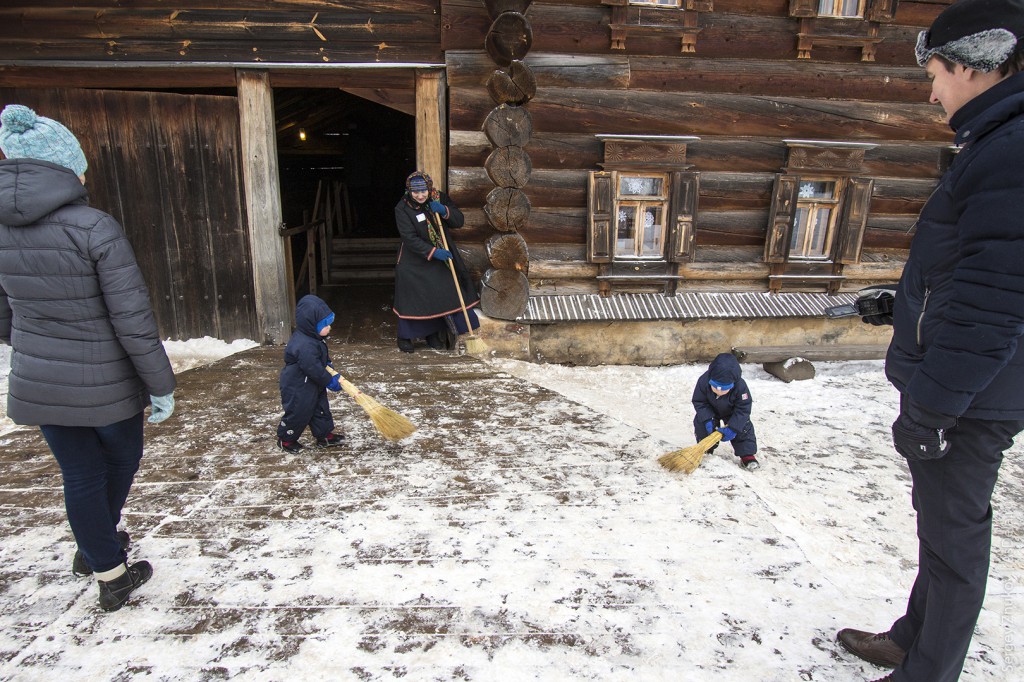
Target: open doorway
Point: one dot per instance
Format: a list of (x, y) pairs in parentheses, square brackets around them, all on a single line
[(346, 157)]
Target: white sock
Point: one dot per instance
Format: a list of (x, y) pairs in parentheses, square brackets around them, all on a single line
[(116, 572)]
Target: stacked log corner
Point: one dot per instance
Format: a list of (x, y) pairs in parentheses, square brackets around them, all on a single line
[(505, 288)]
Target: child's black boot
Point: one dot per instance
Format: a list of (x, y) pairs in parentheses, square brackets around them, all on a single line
[(330, 440), (114, 592), (292, 446)]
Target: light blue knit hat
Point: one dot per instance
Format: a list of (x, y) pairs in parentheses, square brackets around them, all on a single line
[(26, 135)]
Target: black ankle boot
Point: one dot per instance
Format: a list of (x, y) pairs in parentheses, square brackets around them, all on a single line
[(114, 593), (405, 345), (81, 568)]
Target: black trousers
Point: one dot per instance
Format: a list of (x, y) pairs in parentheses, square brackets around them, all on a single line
[(952, 497)]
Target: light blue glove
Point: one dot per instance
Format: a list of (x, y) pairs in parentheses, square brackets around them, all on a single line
[(162, 407), (439, 208), (442, 254)]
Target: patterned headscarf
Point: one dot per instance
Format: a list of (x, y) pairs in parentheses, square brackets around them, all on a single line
[(416, 182)]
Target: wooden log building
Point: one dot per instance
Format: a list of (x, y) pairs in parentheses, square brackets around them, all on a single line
[(686, 175)]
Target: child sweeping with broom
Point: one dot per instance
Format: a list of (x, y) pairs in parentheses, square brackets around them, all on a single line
[(305, 379), (723, 403)]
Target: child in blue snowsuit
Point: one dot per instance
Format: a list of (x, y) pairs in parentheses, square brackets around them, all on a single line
[(305, 379), (723, 403)]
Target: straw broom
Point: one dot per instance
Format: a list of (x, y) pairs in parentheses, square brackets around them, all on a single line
[(689, 458), (388, 423), (474, 344)]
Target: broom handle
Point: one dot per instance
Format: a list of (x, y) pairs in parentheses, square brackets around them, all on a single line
[(345, 383), (455, 278)]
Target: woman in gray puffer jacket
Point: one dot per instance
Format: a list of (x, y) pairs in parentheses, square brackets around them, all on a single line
[(87, 356)]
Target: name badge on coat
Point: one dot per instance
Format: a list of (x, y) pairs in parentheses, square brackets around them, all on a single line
[(421, 217)]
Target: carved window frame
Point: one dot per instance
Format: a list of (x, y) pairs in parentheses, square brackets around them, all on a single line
[(818, 161), (829, 30), (651, 18), (662, 157)]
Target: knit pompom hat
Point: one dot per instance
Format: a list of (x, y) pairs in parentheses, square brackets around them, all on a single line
[(977, 34), (26, 135)]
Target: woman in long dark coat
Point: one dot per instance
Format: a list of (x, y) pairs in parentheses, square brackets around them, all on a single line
[(426, 300)]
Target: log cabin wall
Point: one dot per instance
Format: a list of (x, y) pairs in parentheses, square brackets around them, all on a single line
[(742, 91), (369, 48)]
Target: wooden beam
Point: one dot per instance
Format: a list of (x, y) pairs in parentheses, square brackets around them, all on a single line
[(431, 126), (263, 205)]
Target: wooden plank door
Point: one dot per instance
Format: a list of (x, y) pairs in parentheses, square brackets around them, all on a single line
[(166, 166)]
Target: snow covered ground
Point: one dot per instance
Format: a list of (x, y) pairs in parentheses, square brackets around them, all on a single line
[(508, 544)]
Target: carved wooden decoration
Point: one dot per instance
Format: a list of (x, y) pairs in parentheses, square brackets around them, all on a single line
[(509, 38), (507, 209), (514, 85), (508, 252), (509, 167), (505, 293), (508, 125)]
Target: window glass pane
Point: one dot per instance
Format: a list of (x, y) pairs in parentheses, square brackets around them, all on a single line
[(851, 8), (653, 232), (799, 232), (625, 239), (819, 232), (817, 189), (825, 8), (633, 186)]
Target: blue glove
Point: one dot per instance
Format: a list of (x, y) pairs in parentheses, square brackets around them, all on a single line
[(710, 426), (335, 384), (920, 434), (442, 254), (162, 407), (727, 433), (439, 208)]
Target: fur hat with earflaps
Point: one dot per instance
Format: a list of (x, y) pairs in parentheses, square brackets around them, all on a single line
[(977, 34), (26, 135)]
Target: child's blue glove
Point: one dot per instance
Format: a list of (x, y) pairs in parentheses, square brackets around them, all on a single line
[(439, 208), (442, 254), (335, 384), (727, 433), (162, 407), (710, 426)]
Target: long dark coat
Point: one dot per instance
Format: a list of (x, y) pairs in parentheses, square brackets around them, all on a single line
[(959, 314), (424, 288), (73, 305)]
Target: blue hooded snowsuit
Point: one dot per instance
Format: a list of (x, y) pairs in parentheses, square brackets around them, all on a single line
[(733, 408), (304, 378)]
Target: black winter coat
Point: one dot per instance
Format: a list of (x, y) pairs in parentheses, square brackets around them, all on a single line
[(73, 305), (424, 287), (734, 407), (959, 310)]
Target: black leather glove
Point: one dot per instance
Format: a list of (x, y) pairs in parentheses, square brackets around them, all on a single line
[(919, 433), (875, 304)]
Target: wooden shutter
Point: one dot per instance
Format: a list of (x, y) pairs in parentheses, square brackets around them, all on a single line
[(683, 209), (882, 10), (780, 225), (853, 219), (601, 226)]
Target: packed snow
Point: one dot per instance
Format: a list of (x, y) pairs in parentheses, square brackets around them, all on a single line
[(639, 574)]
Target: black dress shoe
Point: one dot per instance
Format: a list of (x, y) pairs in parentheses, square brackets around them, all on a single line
[(873, 648), (114, 593), (434, 341), (405, 345)]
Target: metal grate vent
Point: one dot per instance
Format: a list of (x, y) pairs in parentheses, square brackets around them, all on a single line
[(682, 306)]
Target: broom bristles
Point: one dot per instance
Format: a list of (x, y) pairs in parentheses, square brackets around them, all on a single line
[(388, 423), (688, 459), (474, 345)]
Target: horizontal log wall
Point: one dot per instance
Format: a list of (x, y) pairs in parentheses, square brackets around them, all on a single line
[(742, 93)]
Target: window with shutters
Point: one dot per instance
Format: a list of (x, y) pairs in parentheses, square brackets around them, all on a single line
[(842, 24), (819, 214), (646, 19), (642, 202)]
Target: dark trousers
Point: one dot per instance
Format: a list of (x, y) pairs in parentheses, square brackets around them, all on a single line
[(952, 497), (98, 465), (744, 444), (306, 406)]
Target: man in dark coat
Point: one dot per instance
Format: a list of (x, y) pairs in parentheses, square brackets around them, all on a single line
[(305, 379), (722, 402), (956, 354), (426, 300), (87, 356)]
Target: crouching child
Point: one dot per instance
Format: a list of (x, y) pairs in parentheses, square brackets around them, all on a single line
[(722, 402), (305, 379)]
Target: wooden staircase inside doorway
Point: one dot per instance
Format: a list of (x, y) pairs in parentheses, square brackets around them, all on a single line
[(363, 261)]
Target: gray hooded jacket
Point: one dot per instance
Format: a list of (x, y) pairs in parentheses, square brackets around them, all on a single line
[(73, 305)]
